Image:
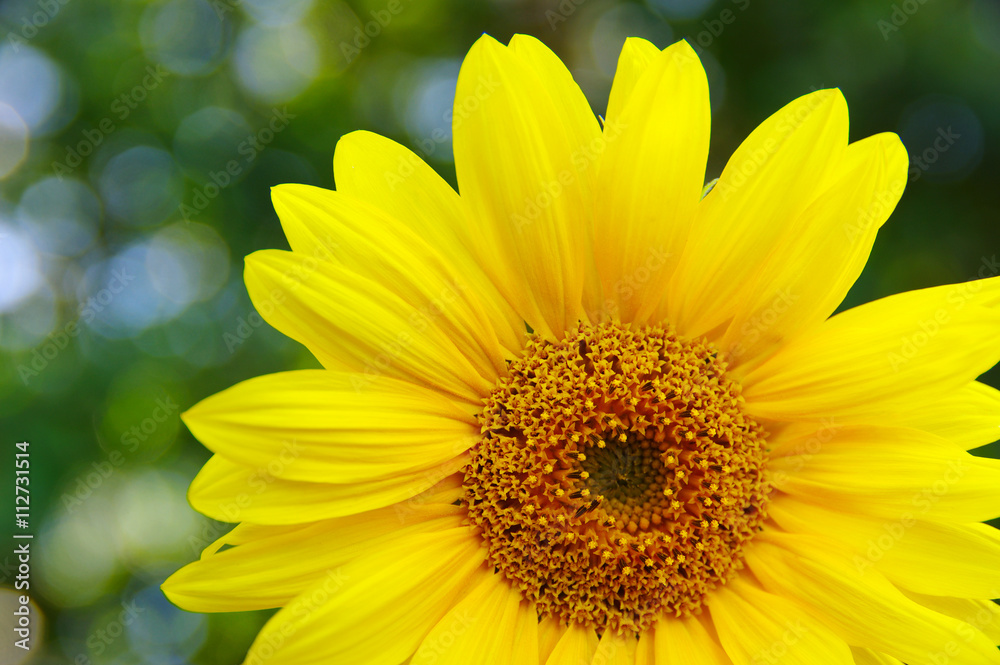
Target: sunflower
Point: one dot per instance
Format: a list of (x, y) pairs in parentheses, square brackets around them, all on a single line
[(593, 411)]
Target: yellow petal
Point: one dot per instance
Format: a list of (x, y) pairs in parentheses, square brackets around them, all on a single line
[(387, 175), (490, 626), (983, 615), (687, 641), (550, 631), (645, 652), (865, 609), (907, 347), (809, 270), (766, 185), (635, 57), (314, 425), (231, 492), (926, 557), (651, 177), (891, 472), (868, 657), (576, 646), (516, 168), (381, 248), (347, 320), (968, 416), (388, 600), (259, 573), (615, 649), (755, 626)]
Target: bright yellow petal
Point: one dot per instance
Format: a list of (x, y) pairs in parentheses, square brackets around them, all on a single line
[(645, 651), (969, 416), (687, 641), (515, 166), (390, 177), (651, 177), (810, 269), (755, 626), (869, 657), (576, 646), (490, 626), (767, 184), (907, 347), (926, 557), (635, 57), (348, 320), (982, 615), (892, 472), (381, 248), (615, 649), (386, 602), (259, 572), (550, 631), (864, 608), (231, 492), (317, 426)]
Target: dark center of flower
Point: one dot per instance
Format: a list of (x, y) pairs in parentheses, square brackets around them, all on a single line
[(618, 479)]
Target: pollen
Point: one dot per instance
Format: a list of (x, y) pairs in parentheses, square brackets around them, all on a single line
[(617, 479)]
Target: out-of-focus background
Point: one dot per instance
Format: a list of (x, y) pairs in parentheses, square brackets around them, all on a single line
[(138, 141)]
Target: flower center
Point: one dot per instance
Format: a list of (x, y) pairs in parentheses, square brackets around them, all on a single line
[(617, 478)]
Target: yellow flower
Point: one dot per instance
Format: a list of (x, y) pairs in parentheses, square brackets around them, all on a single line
[(684, 459)]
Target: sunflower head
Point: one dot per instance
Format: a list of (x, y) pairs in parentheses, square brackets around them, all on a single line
[(686, 459)]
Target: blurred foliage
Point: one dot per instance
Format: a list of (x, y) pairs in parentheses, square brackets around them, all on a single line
[(122, 120)]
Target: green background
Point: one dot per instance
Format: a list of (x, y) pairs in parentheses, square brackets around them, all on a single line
[(161, 96)]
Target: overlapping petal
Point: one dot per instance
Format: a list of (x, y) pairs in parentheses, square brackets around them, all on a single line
[(317, 426), (913, 553), (809, 269), (354, 323), (230, 492), (382, 607), (687, 640), (651, 175), (908, 347), (529, 193), (767, 184), (491, 626), (577, 645), (864, 608), (257, 572), (968, 416), (891, 472), (388, 176), (756, 626)]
